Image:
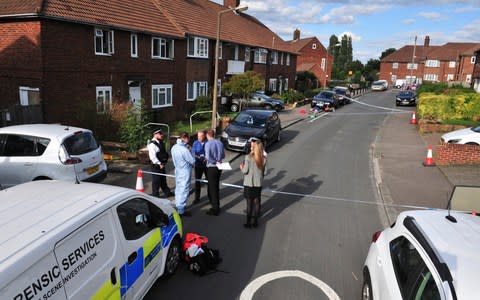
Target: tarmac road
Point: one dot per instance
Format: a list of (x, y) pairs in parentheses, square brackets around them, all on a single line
[(327, 238)]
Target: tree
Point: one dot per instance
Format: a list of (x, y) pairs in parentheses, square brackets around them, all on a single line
[(387, 52), (244, 84)]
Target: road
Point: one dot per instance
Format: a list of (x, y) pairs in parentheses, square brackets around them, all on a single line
[(324, 163)]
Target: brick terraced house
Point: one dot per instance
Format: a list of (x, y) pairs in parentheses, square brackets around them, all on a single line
[(451, 62), (476, 72), (313, 57), (73, 59)]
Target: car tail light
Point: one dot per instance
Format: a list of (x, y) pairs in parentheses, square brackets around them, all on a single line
[(72, 161), (67, 159), (375, 236)]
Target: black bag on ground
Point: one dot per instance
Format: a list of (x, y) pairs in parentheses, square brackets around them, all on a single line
[(205, 262)]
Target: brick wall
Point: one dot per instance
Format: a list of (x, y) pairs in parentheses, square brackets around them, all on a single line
[(455, 154), (387, 70), (311, 55)]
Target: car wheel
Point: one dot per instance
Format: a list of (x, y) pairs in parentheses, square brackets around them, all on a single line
[(234, 107), (268, 106), (366, 287), (173, 258)]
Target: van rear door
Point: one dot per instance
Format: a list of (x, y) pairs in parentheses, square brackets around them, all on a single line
[(90, 260)]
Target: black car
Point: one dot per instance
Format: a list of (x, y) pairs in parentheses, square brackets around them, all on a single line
[(262, 124), (406, 98), (343, 95), (257, 99), (325, 98)]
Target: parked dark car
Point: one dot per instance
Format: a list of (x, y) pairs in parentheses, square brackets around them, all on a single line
[(406, 98), (257, 100), (325, 98), (262, 124), (343, 95)]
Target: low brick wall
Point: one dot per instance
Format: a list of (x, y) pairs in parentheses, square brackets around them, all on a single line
[(455, 154), (426, 127)]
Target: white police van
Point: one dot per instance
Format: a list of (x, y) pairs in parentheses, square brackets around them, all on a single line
[(62, 240)]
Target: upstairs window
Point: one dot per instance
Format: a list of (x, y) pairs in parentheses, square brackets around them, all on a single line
[(104, 99), (411, 66), (197, 47), (162, 48), (323, 63), (473, 59), (247, 54), (314, 46), (281, 58), (133, 45), (260, 56), (287, 62), (195, 89), (237, 50), (104, 44), (274, 57), (220, 50), (395, 65), (432, 63), (451, 64)]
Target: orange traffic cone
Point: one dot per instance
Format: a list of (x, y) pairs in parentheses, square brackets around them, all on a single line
[(413, 120), (429, 159), (139, 187)]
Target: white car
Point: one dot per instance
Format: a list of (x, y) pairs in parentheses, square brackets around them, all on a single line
[(379, 85), (469, 136), (429, 254), (49, 151)]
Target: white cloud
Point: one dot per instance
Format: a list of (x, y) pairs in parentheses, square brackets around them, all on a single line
[(469, 32), (355, 38), (408, 21), (433, 16), (346, 14)]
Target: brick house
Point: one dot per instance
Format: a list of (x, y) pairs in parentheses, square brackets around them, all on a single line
[(449, 62), (313, 57), (476, 72), (74, 58)]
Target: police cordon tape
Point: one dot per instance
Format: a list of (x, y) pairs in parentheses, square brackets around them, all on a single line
[(266, 190)]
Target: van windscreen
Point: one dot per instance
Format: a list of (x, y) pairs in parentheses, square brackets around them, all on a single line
[(80, 143)]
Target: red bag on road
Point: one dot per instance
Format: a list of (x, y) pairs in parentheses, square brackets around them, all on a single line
[(193, 238)]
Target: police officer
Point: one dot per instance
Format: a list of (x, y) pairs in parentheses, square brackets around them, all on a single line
[(159, 157)]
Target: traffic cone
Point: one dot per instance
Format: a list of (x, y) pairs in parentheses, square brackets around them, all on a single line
[(139, 187), (302, 111), (413, 120), (429, 159)]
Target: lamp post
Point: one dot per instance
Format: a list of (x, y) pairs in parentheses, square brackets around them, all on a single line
[(326, 62), (217, 46)]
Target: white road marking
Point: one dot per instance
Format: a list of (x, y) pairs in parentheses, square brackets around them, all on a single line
[(252, 287), (320, 116)]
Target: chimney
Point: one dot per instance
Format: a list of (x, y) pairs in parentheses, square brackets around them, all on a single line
[(231, 3), (296, 34), (427, 41)]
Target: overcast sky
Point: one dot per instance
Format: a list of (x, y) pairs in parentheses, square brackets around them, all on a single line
[(373, 25)]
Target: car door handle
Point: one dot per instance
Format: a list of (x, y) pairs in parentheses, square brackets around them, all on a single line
[(28, 164), (132, 258)]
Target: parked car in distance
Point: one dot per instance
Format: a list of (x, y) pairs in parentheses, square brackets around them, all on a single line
[(49, 151), (379, 86), (343, 94), (425, 254), (257, 99), (400, 82), (62, 240), (469, 136), (405, 98), (262, 124), (325, 98)]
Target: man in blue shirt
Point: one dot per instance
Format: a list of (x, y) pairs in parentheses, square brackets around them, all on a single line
[(198, 151), (214, 153)]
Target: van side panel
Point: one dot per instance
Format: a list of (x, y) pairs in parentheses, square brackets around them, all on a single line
[(90, 259), (40, 282)]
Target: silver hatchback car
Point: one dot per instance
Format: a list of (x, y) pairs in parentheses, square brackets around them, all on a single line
[(49, 151)]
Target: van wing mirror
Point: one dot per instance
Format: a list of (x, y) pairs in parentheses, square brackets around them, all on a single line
[(465, 198)]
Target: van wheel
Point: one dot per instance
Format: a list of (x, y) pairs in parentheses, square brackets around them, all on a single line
[(234, 107), (366, 287), (173, 258)]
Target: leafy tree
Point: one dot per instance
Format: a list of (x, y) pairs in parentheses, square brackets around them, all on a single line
[(387, 52), (244, 84)]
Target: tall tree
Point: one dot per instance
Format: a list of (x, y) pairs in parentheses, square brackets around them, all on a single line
[(387, 52)]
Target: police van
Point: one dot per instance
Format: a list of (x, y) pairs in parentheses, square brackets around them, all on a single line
[(61, 240)]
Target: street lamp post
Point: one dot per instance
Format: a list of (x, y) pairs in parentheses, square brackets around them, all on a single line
[(217, 46)]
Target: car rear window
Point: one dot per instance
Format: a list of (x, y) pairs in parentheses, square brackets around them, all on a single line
[(80, 143)]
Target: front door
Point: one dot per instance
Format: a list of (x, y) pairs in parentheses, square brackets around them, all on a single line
[(135, 95)]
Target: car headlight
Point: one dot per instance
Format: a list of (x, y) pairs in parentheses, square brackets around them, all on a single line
[(398, 99), (455, 141), (224, 135)]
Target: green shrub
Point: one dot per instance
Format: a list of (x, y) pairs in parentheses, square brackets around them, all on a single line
[(132, 131), (203, 103), (291, 96), (310, 93), (450, 106)]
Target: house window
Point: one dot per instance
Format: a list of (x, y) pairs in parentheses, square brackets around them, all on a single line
[(162, 48), (274, 57), (469, 78), (411, 66), (195, 89), (272, 84), (314, 46), (451, 64), (285, 87), (449, 77), (220, 50), (288, 59), (260, 56), (104, 99), (323, 64), (29, 96), (472, 59), (395, 65), (430, 77), (281, 58), (247, 54), (432, 63), (197, 47), (104, 44), (133, 45), (236, 51), (161, 95)]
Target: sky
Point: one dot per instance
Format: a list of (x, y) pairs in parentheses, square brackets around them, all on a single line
[(373, 25)]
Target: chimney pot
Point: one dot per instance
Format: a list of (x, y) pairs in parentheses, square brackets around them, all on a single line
[(296, 35), (427, 41), (231, 3)]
